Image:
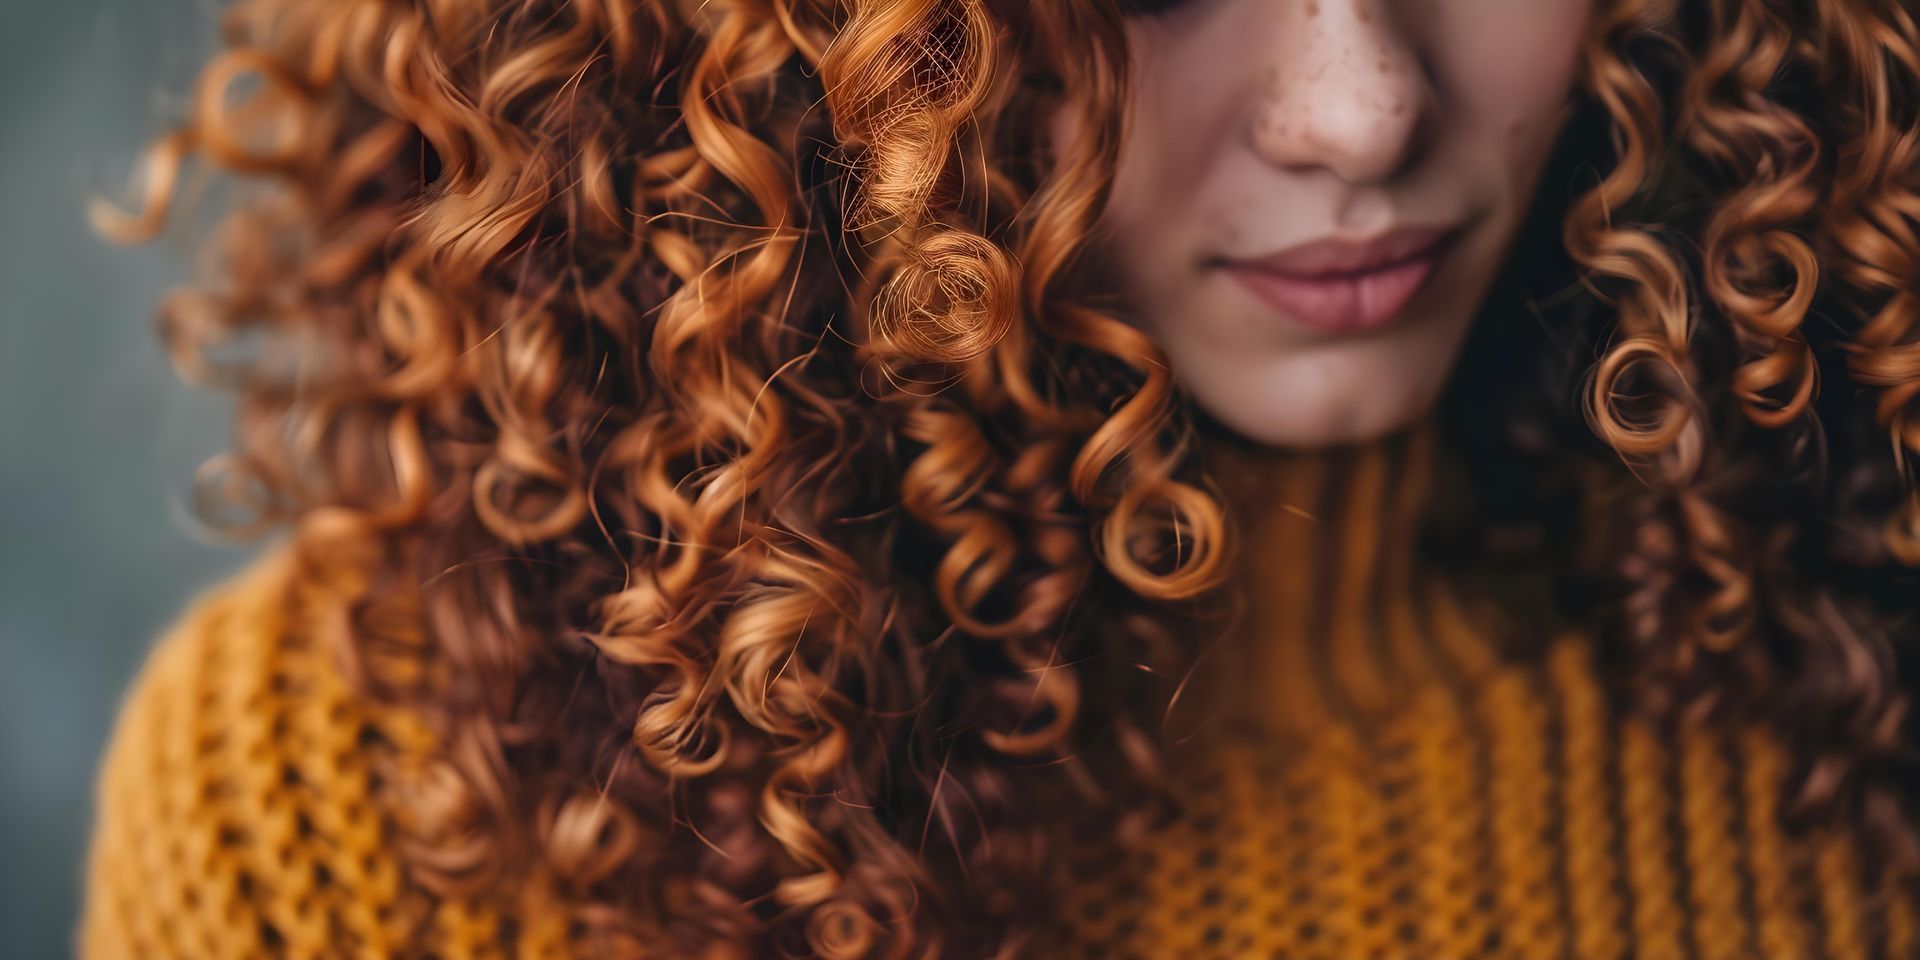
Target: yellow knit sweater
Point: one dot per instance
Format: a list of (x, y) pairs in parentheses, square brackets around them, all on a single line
[(1379, 782)]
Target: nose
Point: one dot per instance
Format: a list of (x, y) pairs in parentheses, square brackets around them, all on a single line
[(1345, 91)]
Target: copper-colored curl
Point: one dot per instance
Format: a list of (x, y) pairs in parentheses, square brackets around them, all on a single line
[(950, 300), (842, 930), (1802, 223), (585, 475), (587, 838)]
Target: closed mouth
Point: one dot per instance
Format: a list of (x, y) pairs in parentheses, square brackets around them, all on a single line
[(1339, 286)]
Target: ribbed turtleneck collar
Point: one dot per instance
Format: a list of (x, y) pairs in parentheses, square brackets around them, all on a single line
[(1339, 615)]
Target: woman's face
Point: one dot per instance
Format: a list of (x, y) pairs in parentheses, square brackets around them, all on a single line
[(1313, 196)]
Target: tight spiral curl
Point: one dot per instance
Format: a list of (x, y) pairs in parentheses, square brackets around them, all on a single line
[(690, 412), (1796, 121)]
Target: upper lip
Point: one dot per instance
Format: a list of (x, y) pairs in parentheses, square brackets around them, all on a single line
[(1337, 256)]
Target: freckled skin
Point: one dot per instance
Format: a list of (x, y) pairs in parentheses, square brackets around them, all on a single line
[(1258, 125)]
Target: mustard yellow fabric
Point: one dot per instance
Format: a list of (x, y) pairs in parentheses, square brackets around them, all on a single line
[(237, 815), (1381, 780)]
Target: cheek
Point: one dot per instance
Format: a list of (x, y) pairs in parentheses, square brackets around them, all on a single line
[(1181, 119), (1512, 65), (1162, 162)]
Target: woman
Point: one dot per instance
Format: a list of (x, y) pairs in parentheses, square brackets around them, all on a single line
[(941, 477)]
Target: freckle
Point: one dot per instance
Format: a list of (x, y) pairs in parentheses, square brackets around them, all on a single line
[(1381, 64), (1313, 8), (1366, 16)]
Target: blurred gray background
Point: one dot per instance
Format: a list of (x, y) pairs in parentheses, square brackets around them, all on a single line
[(97, 440)]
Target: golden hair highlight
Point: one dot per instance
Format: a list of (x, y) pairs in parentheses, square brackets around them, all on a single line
[(700, 443)]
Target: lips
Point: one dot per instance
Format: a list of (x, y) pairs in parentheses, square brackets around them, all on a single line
[(1342, 286)]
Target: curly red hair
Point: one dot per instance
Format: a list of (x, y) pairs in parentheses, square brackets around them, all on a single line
[(691, 413)]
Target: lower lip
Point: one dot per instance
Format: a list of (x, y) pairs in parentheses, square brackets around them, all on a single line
[(1346, 303)]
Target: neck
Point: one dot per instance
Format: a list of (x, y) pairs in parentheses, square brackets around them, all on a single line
[(1337, 613)]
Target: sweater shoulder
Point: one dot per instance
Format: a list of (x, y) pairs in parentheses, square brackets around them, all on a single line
[(234, 813), (242, 617)]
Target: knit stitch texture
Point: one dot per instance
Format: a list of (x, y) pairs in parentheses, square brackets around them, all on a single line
[(1391, 786)]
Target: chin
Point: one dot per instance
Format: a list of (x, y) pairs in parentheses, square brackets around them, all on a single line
[(1320, 398), (1323, 424)]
